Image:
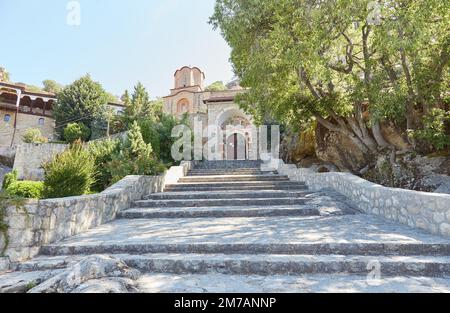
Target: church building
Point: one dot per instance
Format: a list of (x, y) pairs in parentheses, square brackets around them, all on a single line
[(213, 108)]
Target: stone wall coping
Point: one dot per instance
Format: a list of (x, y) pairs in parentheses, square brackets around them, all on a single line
[(365, 183)]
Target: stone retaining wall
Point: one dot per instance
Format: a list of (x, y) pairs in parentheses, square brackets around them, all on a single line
[(29, 159), (426, 211), (7, 155), (51, 220)]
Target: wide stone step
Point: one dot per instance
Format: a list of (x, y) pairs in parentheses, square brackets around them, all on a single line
[(371, 249), (219, 212), (312, 283), (234, 187), (230, 170), (226, 172), (238, 184), (217, 202), (358, 234), (233, 178), (233, 194), (228, 164), (264, 264)]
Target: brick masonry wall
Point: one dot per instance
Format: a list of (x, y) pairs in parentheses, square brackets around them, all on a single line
[(29, 158), (422, 210), (51, 220), (24, 122)]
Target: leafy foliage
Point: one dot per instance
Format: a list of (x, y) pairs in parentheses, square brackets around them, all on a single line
[(103, 152), (77, 131), (434, 130), (26, 189), (137, 106), (6, 74), (216, 86), (134, 158), (9, 179), (33, 135), (349, 65), (70, 173), (52, 86), (81, 102)]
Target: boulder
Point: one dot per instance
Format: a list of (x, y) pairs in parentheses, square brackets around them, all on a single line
[(82, 276), (339, 150)]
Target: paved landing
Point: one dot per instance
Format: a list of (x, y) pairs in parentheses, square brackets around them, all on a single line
[(356, 229), (218, 283)]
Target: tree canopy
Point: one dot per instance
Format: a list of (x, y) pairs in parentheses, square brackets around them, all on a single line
[(216, 86), (347, 64), (81, 102), (52, 86)]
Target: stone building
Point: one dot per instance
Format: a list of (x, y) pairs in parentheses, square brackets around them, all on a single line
[(21, 109), (213, 108)]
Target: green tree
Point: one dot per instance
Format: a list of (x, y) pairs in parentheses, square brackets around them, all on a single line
[(6, 76), (33, 88), (137, 106), (83, 101), (77, 131), (52, 86), (346, 64), (216, 86), (134, 158)]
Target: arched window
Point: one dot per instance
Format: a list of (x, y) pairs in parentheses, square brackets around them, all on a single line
[(41, 121), (7, 118), (183, 106)]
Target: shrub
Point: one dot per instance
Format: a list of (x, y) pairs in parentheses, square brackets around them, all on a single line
[(26, 189), (151, 135), (33, 135), (71, 173), (102, 152), (77, 131), (9, 179), (135, 157)]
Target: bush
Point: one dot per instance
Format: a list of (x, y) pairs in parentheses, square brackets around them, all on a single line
[(135, 157), (33, 135), (77, 131), (26, 189), (9, 179), (71, 173), (102, 152)]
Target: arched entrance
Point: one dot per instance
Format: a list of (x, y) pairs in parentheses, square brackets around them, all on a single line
[(239, 136), (236, 147)]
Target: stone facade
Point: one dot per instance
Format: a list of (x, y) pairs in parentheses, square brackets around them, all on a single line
[(25, 121), (30, 157), (213, 108), (22, 109), (426, 211), (47, 221)]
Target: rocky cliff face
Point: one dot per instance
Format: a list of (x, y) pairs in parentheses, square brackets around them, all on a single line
[(336, 149), (324, 149)]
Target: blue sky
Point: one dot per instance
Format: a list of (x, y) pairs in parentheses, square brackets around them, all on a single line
[(118, 42)]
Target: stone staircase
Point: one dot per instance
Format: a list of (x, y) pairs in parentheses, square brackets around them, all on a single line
[(234, 223)]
